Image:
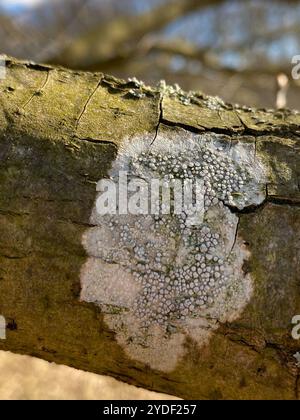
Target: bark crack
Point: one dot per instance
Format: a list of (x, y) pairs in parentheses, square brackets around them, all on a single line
[(235, 236), (281, 200), (278, 200), (282, 131), (39, 91), (96, 141), (160, 117), (84, 108), (241, 121), (13, 213)]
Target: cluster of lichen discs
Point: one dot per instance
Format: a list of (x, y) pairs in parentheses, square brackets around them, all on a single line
[(181, 269), (223, 178)]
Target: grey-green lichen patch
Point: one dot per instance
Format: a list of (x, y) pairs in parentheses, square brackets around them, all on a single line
[(140, 89), (174, 274)]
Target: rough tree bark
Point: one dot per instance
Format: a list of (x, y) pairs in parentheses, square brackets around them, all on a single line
[(60, 133)]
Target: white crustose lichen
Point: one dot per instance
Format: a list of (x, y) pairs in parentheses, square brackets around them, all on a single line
[(159, 278)]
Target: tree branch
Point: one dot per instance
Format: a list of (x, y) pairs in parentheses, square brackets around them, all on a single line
[(52, 155)]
